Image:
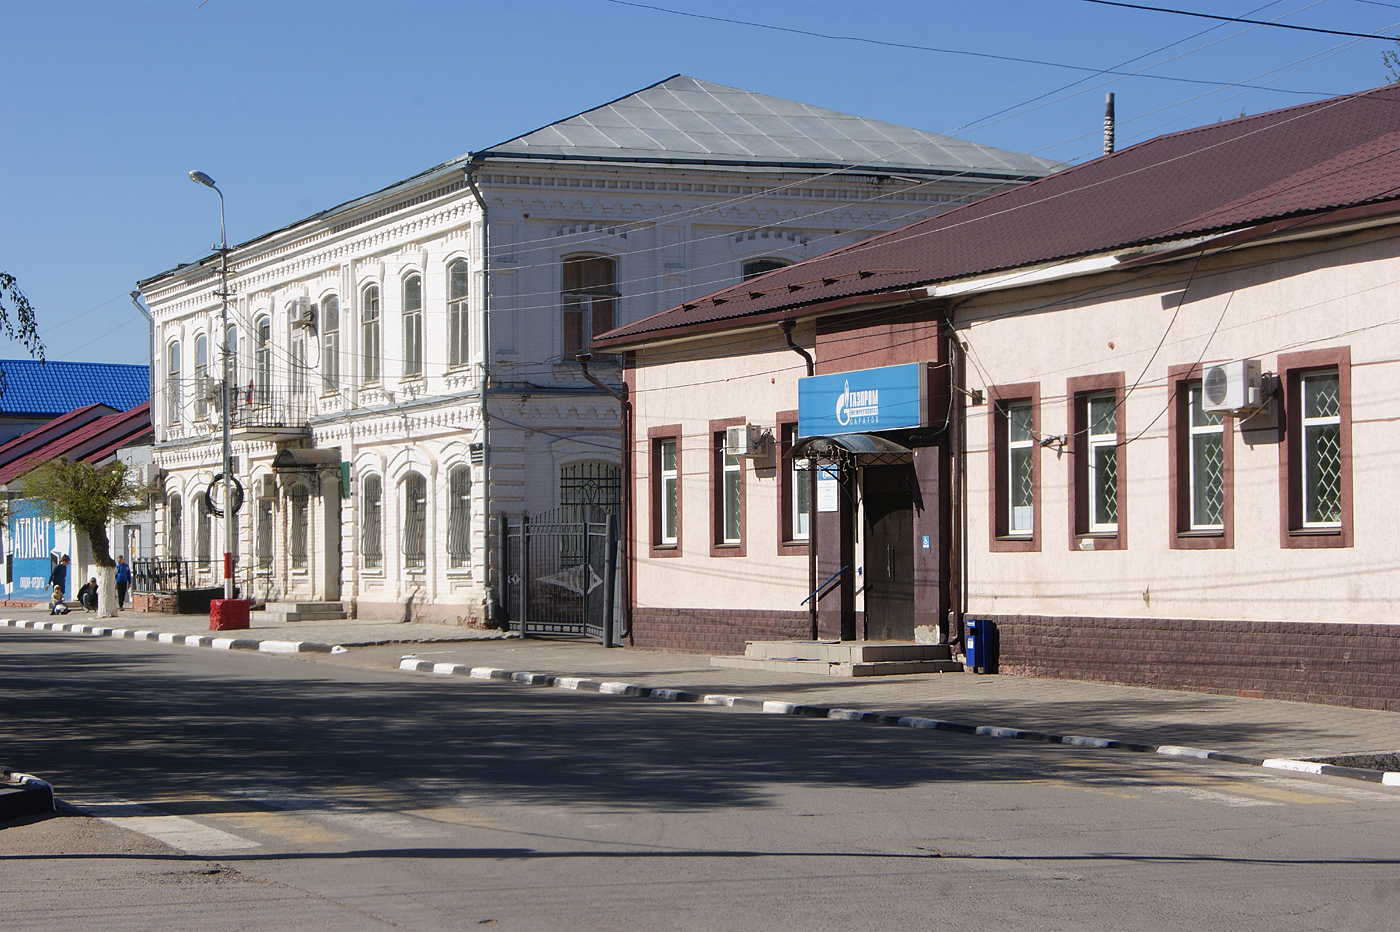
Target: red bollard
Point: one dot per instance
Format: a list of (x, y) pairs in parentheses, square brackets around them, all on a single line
[(228, 614)]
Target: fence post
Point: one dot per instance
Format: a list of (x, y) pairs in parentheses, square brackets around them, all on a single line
[(610, 582), (525, 585)]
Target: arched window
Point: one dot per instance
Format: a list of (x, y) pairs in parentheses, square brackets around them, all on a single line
[(201, 376), (231, 352), (413, 326), (415, 521), (204, 532), (459, 516), (588, 298), (330, 343), (756, 267), (174, 538), (371, 522), (262, 360), (458, 278), (172, 384), (296, 346), (369, 334)]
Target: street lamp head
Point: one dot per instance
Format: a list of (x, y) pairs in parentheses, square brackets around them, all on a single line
[(201, 178)]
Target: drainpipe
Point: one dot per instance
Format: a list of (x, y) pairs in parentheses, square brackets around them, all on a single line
[(787, 325), (151, 326), (492, 595), (626, 534)]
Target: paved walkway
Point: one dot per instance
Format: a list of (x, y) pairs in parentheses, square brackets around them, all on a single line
[(1247, 727)]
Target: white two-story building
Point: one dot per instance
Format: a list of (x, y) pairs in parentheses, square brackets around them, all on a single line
[(405, 362)]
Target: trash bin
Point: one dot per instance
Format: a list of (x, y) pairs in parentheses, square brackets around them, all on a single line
[(980, 645)]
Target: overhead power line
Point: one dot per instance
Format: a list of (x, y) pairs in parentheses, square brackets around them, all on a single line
[(1237, 19), (943, 51)]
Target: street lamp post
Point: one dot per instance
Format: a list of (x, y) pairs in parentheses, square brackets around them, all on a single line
[(199, 177)]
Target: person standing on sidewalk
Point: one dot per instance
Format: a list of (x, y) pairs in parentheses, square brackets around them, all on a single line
[(123, 580), (59, 576)]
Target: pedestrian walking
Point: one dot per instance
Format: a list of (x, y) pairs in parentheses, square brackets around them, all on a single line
[(123, 580)]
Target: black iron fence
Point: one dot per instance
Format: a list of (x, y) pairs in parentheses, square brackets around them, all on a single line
[(559, 573), (159, 574)]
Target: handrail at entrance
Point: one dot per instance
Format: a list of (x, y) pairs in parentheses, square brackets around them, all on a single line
[(825, 587)]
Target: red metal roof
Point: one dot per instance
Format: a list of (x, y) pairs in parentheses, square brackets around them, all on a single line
[(93, 441), (1300, 161)]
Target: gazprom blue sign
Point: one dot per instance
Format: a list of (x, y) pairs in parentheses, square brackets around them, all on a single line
[(867, 400)]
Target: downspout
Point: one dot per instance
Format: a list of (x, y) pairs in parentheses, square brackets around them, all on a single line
[(958, 560), (787, 325), (627, 496), (492, 593), (150, 326)]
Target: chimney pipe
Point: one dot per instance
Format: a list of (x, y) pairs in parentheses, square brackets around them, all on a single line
[(1108, 121)]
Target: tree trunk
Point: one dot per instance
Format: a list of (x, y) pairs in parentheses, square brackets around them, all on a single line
[(106, 572)]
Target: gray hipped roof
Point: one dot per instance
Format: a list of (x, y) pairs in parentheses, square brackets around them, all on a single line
[(685, 120)]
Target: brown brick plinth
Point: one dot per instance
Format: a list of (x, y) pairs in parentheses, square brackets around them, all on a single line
[(712, 631), (1356, 665)]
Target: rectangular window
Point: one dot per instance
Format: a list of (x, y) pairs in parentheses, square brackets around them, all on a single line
[(1103, 464), (1201, 468), (727, 494), (1316, 452), (459, 517), (371, 538), (1014, 467), (588, 298), (330, 344), (665, 489), (795, 492), (1098, 490), (298, 502), (264, 534)]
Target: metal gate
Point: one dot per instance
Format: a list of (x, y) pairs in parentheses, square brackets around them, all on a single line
[(559, 573)]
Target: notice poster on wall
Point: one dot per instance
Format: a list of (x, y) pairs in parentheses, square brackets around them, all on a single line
[(828, 490)]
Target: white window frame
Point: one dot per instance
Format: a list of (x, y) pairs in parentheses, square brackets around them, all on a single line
[(330, 344), (1101, 442), (413, 327), (1310, 426), (458, 313), (370, 322), (172, 383), (1198, 434), (731, 498), (1020, 519), (670, 492)]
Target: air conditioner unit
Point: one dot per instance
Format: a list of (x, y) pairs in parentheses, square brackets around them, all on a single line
[(1232, 386), (303, 314), (745, 440)]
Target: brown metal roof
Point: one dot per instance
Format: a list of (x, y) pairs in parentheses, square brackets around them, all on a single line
[(1300, 161)]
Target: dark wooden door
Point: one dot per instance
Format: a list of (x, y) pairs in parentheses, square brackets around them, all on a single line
[(889, 553)]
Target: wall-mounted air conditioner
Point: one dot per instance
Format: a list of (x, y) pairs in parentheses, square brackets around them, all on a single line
[(745, 440), (1231, 387), (303, 314)]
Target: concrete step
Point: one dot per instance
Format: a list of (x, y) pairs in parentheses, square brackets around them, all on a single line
[(287, 612), (825, 668), (849, 652)]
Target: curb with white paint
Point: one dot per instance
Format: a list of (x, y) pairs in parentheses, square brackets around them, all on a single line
[(776, 707), (188, 640)]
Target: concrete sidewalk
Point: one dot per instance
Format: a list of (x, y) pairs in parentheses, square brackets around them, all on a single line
[(1259, 728)]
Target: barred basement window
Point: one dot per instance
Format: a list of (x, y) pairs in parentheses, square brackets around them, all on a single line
[(459, 517), (415, 521), (298, 501), (371, 538)]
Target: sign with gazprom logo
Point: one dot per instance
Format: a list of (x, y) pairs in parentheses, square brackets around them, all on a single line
[(863, 401)]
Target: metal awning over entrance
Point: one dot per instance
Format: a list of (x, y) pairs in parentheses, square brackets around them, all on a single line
[(852, 450)]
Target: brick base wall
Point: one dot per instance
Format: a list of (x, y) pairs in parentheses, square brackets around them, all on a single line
[(163, 602), (702, 631), (1356, 665)]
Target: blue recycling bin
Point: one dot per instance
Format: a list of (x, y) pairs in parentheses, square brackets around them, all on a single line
[(980, 645)]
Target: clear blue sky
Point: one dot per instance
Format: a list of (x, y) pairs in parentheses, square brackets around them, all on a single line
[(297, 106)]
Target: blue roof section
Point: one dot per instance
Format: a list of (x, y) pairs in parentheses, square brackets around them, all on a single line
[(53, 388)]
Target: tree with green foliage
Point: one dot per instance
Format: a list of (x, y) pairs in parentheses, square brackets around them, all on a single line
[(1391, 59), (22, 326), (89, 498)]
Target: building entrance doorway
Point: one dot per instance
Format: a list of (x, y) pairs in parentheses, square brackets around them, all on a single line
[(889, 552)]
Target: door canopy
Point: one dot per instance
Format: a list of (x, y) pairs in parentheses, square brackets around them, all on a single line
[(852, 450)]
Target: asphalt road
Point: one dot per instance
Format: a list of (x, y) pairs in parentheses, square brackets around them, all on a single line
[(239, 791)]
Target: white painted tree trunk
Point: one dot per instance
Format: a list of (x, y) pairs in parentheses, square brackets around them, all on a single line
[(106, 592)]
